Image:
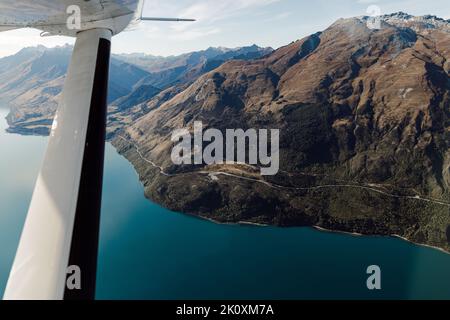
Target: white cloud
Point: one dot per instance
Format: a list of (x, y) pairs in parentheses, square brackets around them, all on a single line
[(279, 16), (15, 40), (213, 10), (193, 34), (207, 13), (367, 1)]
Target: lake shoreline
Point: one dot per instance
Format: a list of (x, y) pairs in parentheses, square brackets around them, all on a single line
[(248, 223), (317, 228)]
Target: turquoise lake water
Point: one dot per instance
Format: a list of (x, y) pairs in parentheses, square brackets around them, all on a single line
[(147, 252)]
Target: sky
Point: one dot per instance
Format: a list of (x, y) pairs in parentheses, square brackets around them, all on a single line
[(230, 23)]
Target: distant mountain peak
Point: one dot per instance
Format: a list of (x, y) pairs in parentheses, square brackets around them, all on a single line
[(402, 19), (400, 15), (406, 16), (38, 48)]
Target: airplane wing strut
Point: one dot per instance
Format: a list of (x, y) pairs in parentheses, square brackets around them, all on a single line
[(62, 224)]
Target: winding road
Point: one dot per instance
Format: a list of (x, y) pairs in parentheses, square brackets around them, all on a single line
[(367, 187)]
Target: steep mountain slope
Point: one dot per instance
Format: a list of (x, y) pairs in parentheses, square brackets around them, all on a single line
[(365, 133), (180, 70)]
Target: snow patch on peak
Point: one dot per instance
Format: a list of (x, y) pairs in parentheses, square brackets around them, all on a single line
[(402, 19)]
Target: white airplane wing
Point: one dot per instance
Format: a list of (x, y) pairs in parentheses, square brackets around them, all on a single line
[(53, 16), (62, 224)]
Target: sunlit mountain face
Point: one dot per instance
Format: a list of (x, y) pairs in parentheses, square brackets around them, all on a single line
[(363, 119)]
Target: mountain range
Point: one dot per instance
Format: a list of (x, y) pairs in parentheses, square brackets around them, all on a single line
[(363, 114), (31, 80)]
